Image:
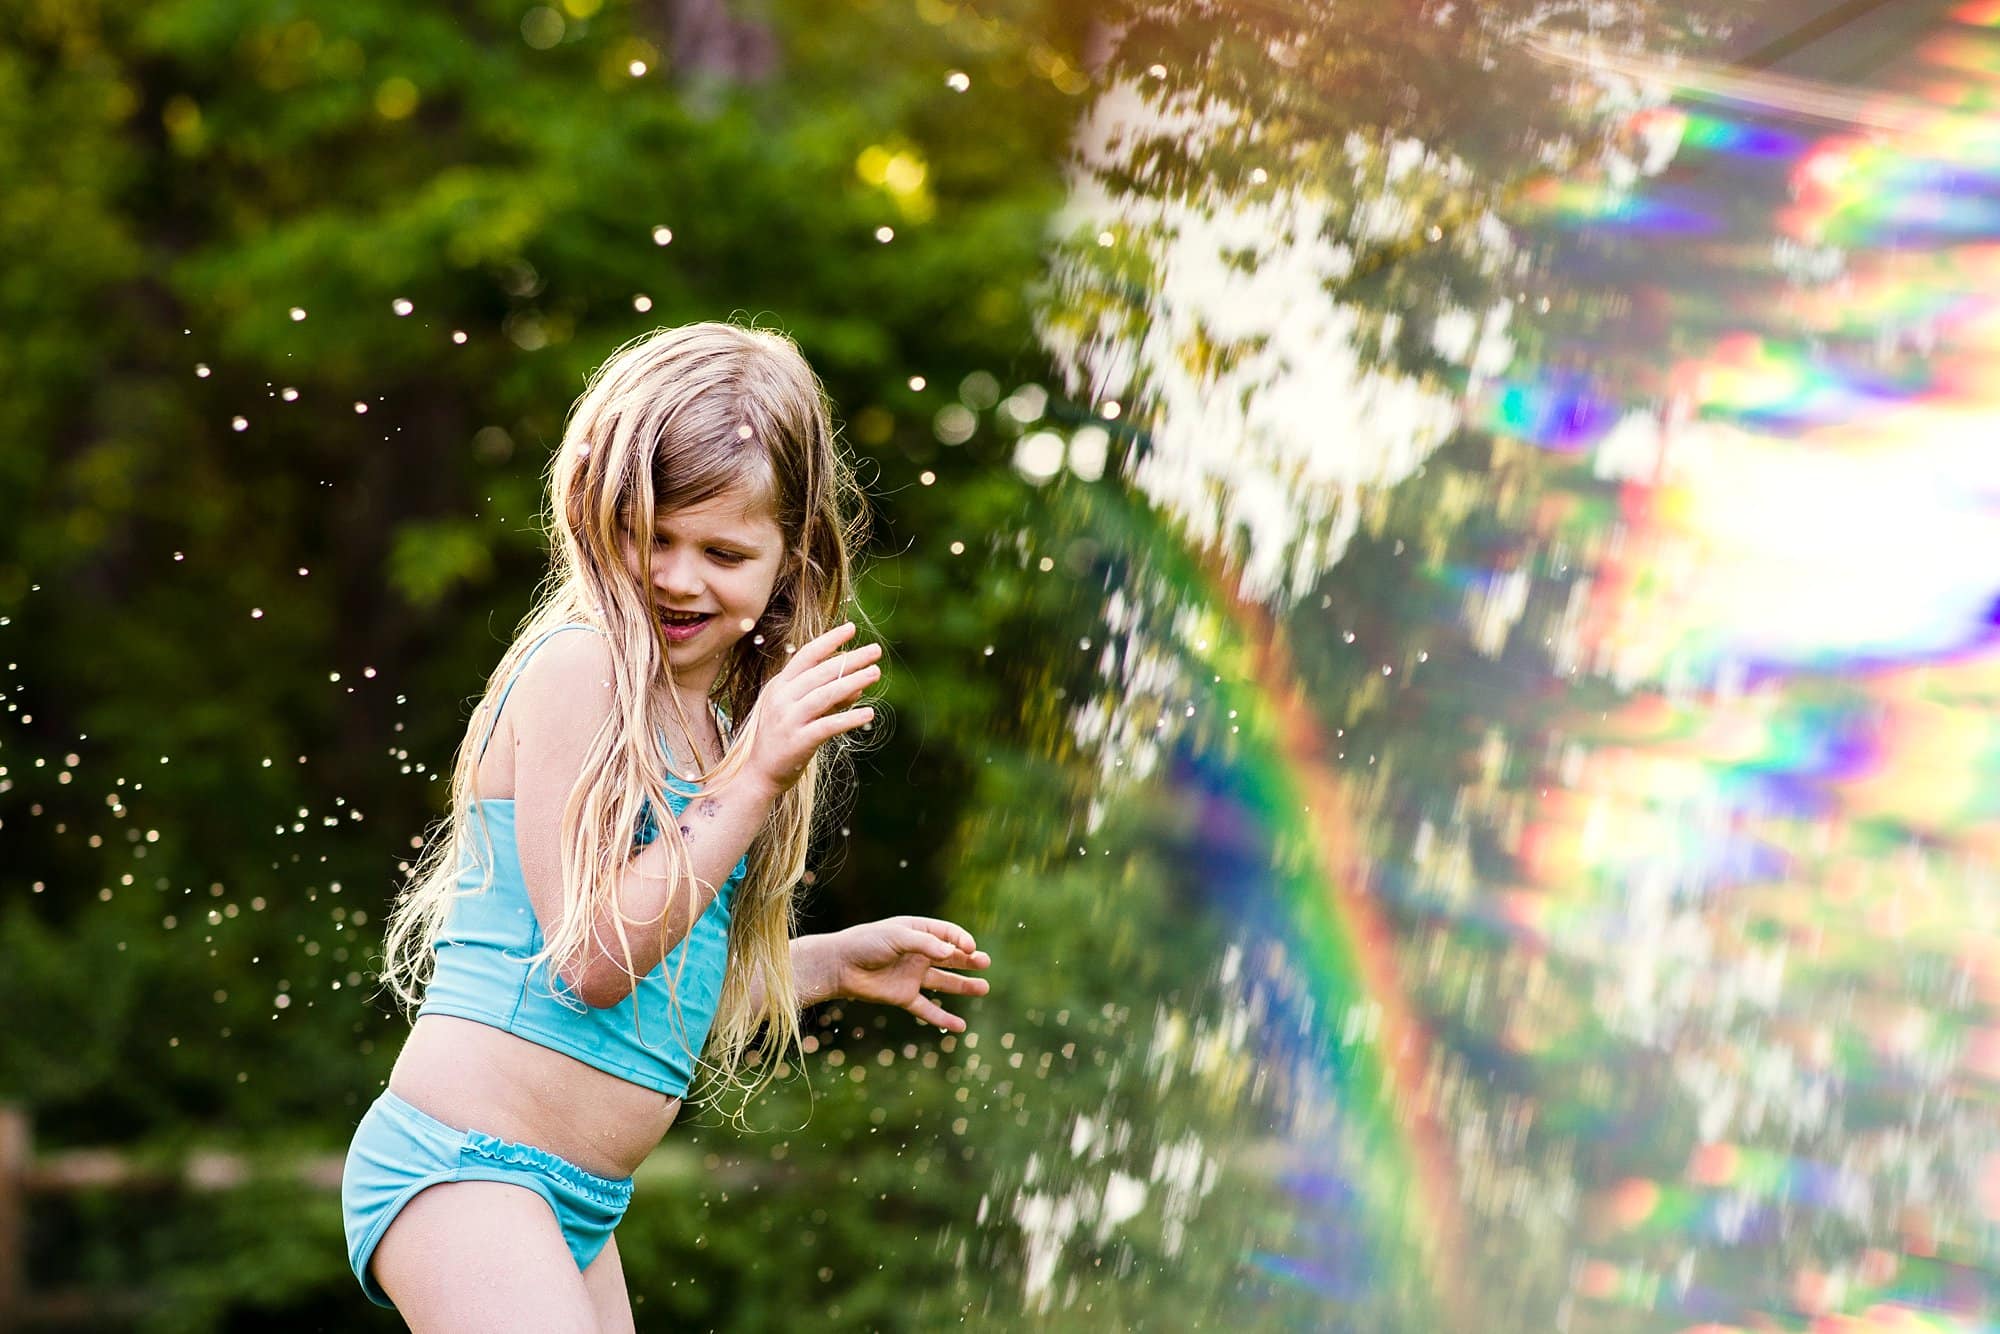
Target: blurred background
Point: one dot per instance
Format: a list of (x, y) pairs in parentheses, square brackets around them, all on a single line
[(1441, 572)]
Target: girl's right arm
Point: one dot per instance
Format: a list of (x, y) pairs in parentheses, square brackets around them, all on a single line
[(566, 696)]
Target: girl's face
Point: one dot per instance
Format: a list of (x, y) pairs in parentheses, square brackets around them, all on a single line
[(714, 567)]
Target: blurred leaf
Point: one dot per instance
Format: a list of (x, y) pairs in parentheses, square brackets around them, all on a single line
[(427, 560)]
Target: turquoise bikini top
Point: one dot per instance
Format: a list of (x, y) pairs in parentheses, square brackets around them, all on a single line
[(483, 974)]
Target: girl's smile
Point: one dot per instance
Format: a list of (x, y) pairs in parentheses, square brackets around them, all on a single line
[(681, 627)]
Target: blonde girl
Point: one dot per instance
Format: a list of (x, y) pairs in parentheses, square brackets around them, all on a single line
[(609, 906)]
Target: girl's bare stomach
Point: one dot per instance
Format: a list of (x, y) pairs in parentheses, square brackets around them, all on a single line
[(476, 1077)]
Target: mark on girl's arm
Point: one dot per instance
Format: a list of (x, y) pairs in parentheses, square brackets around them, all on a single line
[(709, 808), (686, 832)]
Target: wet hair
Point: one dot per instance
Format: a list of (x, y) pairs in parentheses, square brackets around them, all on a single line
[(672, 419)]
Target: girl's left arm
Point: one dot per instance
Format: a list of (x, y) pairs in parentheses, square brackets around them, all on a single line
[(890, 962)]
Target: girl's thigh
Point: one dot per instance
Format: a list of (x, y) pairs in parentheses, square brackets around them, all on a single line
[(466, 1256), (605, 1281)]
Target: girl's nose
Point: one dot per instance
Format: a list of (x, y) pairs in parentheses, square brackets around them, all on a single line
[(676, 576)]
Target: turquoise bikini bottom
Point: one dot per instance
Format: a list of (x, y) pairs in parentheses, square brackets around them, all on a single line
[(398, 1150)]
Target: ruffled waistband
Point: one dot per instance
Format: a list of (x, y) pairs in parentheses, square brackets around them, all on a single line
[(604, 1190)]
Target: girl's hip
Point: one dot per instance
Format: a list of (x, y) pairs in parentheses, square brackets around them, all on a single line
[(399, 1149)]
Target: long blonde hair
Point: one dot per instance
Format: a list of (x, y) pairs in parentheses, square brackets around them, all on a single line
[(671, 419)]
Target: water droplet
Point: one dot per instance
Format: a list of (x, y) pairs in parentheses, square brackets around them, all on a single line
[(239, 423), (885, 234), (201, 369), (458, 335), (542, 27), (298, 313), (662, 235), (289, 394), (927, 477), (401, 305), (642, 303), (359, 406), (958, 81), (637, 69), (954, 424), (1039, 455)]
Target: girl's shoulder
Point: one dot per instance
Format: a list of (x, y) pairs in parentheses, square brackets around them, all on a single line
[(556, 701), (565, 679)]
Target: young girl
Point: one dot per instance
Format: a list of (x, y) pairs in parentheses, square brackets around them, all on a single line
[(575, 955)]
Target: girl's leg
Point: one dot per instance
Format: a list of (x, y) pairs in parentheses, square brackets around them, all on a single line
[(468, 1257), (605, 1281)]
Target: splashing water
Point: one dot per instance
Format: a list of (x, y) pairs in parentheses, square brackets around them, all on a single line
[(1557, 596)]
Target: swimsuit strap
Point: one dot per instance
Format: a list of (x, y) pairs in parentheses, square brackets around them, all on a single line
[(721, 719), (493, 723)]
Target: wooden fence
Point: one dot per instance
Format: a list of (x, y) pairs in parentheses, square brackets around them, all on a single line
[(24, 1176)]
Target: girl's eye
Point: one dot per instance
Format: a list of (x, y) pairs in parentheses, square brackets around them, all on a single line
[(727, 557)]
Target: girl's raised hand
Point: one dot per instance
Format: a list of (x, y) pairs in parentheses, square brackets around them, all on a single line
[(806, 704), (896, 960)]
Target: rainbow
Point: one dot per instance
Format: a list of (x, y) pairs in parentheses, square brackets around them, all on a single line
[(1280, 775)]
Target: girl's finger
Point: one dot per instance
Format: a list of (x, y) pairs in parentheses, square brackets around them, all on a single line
[(949, 931), (791, 689), (815, 651), (835, 723), (932, 1013), (960, 959), (953, 984), (912, 941), (839, 665), (839, 692), (964, 952)]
